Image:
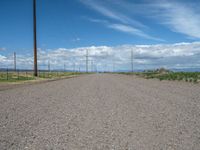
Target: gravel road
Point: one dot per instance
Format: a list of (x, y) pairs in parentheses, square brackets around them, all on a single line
[(101, 112)]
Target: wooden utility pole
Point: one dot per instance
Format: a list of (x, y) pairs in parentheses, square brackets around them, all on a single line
[(35, 38)]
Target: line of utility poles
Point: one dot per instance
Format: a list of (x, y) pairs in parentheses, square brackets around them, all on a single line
[(35, 49), (35, 38)]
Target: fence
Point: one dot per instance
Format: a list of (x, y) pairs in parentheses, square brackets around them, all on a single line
[(21, 75)]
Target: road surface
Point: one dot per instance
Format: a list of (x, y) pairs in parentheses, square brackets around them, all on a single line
[(101, 112)]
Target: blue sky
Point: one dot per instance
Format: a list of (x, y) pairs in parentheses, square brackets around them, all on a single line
[(72, 25)]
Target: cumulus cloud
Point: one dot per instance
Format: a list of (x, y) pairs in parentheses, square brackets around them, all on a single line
[(2, 58), (179, 55)]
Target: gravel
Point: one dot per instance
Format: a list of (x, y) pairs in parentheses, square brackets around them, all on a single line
[(101, 112)]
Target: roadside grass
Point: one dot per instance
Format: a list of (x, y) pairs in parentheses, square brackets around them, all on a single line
[(172, 76), (15, 76), (52, 75), (26, 76)]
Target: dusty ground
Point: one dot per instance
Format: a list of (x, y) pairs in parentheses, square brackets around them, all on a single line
[(101, 112)]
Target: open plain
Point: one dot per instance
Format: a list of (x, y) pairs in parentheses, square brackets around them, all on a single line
[(101, 112)]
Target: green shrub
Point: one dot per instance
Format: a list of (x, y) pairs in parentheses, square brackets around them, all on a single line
[(185, 76)]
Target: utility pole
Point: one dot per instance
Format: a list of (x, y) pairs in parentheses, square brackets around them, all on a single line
[(74, 67), (15, 65), (87, 61), (35, 38), (132, 60), (96, 68), (64, 67), (113, 61), (49, 66), (105, 68), (92, 66)]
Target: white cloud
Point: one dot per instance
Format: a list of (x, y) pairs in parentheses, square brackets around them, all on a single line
[(125, 28), (2, 58), (179, 55), (132, 30), (126, 25), (110, 13), (181, 17), (76, 40)]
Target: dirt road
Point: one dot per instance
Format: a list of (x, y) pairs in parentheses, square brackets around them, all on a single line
[(101, 112)]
